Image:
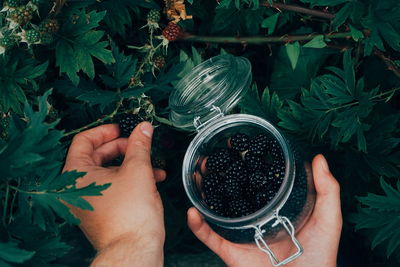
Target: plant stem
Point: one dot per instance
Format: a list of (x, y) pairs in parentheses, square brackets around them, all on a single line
[(12, 204), (262, 39), (6, 205), (393, 91), (299, 9), (163, 120), (389, 63), (97, 122)]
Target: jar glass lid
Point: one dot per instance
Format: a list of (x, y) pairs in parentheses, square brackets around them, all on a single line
[(212, 88)]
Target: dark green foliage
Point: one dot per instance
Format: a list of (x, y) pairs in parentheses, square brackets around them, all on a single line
[(337, 96), (380, 213)]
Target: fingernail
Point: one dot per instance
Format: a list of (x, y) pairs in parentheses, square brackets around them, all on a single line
[(324, 164), (147, 129)]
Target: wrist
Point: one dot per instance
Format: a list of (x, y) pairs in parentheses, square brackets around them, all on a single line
[(131, 250)]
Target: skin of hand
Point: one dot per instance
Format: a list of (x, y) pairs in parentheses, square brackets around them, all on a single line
[(319, 236), (127, 224)]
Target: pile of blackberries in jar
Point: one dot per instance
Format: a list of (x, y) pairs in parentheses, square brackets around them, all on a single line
[(244, 177)]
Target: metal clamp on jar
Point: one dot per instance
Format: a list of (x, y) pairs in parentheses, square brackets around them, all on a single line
[(200, 103)]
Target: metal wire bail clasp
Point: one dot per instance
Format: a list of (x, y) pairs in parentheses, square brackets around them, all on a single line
[(198, 124), (262, 245)]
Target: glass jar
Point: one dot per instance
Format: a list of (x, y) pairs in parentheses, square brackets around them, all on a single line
[(200, 102)]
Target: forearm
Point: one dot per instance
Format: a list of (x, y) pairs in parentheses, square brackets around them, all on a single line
[(128, 252)]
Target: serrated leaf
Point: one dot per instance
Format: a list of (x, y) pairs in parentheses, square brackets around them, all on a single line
[(79, 42), (381, 213), (28, 147), (15, 75), (309, 63), (316, 42), (99, 97), (293, 52)]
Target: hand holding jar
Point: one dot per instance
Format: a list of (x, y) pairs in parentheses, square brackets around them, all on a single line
[(319, 236)]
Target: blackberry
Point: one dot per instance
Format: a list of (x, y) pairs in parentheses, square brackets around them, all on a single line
[(127, 122), (153, 16), (259, 180), (262, 198), (240, 207), (216, 204), (21, 15), (275, 150), (255, 161), (218, 161), (259, 144), (240, 142), (172, 32), (235, 179), (212, 183), (49, 26), (32, 36)]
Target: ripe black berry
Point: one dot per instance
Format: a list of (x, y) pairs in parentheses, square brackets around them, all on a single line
[(240, 207), (212, 183), (258, 180), (216, 203), (259, 144), (262, 198), (255, 161), (240, 142), (218, 161), (127, 122)]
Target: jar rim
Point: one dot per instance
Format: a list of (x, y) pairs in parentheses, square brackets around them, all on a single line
[(220, 81), (260, 216)]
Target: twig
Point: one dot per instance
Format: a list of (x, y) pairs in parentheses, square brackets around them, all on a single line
[(262, 39), (97, 122), (299, 9), (389, 63)]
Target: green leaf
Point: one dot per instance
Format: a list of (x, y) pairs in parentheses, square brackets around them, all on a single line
[(266, 107), (10, 252), (46, 197), (381, 213), (99, 97), (29, 146), (16, 74), (121, 71), (309, 63), (79, 42), (316, 42), (119, 17), (270, 23), (356, 34), (293, 52)]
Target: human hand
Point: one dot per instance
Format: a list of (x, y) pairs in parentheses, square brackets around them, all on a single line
[(128, 219), (319, 237)]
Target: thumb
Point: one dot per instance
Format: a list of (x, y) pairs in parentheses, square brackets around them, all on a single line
[(327, 207), (138, 150)]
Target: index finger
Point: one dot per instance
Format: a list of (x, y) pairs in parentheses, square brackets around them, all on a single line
[(84, 144)]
